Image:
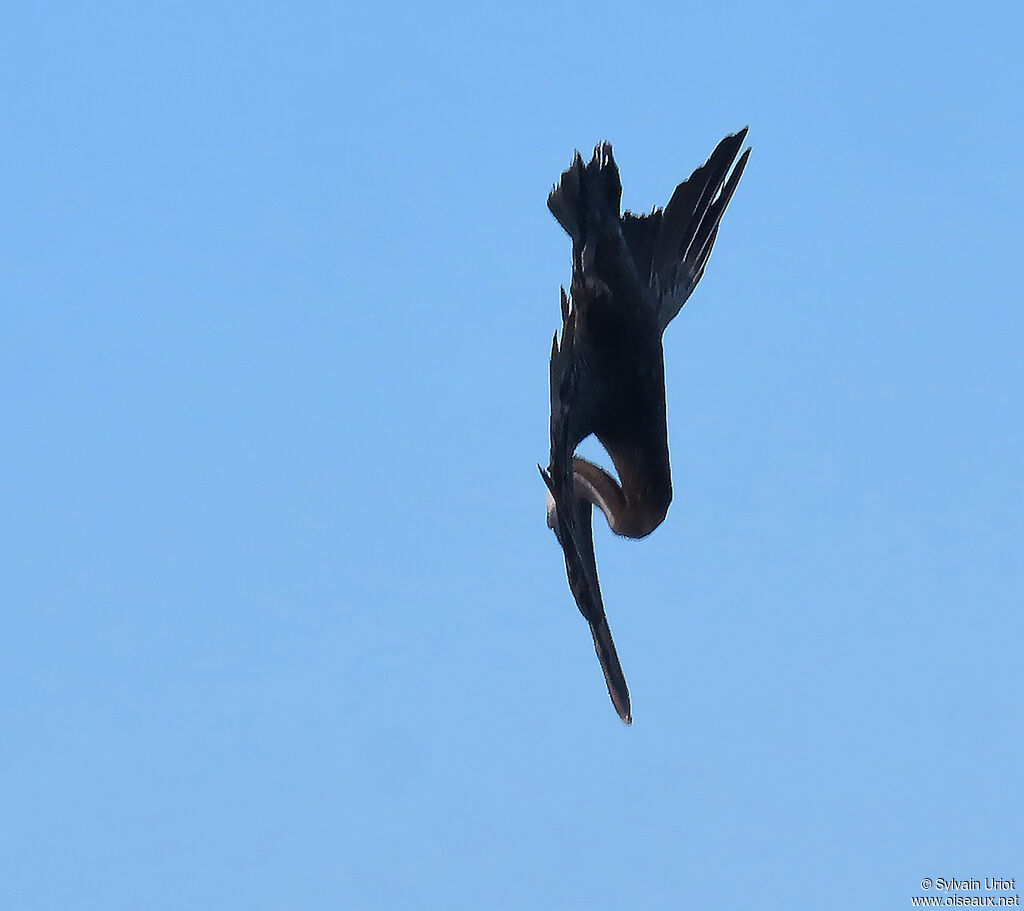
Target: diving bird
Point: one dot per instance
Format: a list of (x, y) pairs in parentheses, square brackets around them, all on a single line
[(631, 274)]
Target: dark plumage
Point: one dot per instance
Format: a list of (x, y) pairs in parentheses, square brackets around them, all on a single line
[(631, 274)]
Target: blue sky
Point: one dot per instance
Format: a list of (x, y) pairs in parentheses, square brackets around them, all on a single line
[(282, 623)]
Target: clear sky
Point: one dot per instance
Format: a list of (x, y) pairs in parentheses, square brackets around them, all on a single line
[(282, 623)]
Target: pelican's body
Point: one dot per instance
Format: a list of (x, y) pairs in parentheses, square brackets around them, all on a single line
[(630, 277)]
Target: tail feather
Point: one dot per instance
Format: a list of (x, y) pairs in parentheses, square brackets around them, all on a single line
[(641, 233)]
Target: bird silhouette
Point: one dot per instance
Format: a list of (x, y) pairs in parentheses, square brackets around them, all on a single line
[(631, 274)]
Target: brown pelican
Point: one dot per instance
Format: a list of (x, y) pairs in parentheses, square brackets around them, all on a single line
[(631, 274)]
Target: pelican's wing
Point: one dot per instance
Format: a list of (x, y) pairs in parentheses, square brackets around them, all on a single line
[(671, 247)]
